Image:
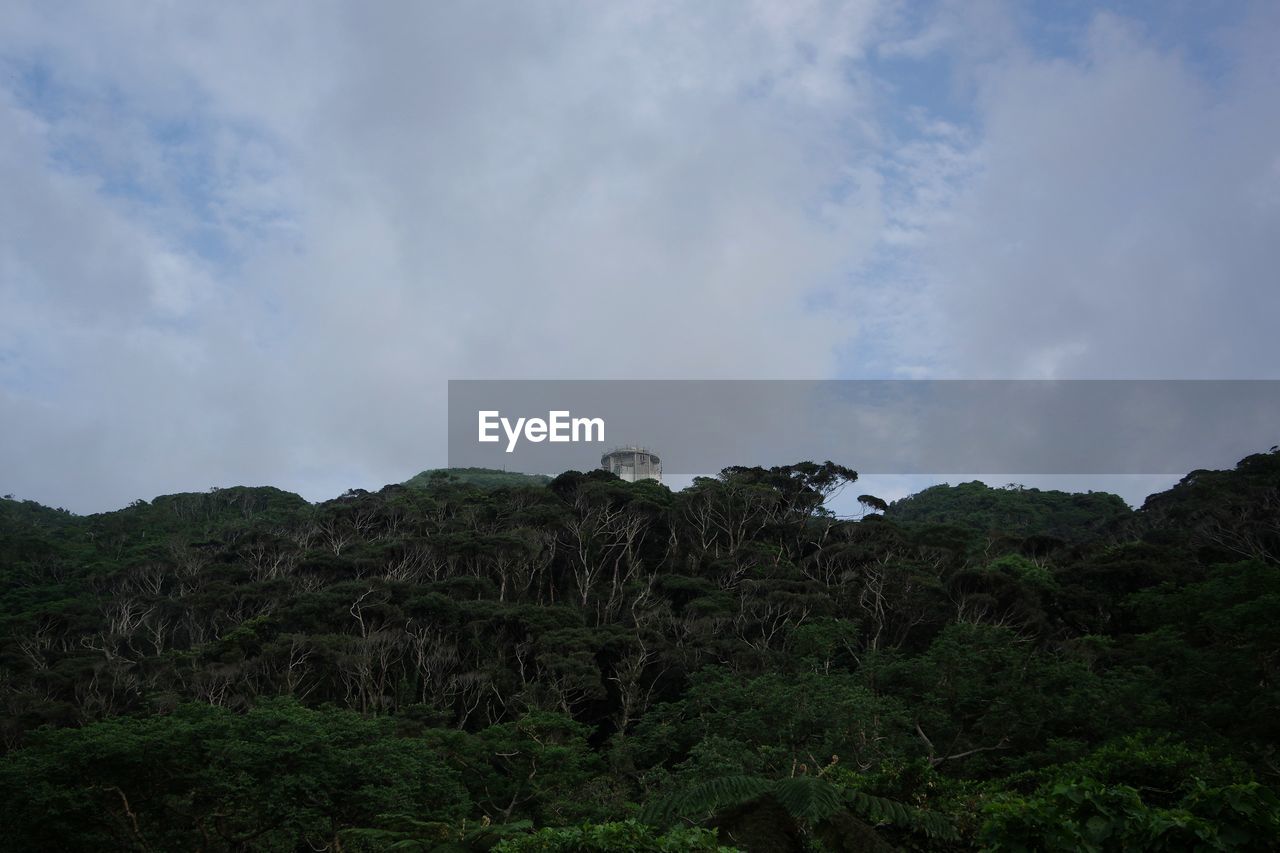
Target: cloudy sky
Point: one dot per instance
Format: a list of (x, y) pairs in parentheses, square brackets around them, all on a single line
[(250, 242)]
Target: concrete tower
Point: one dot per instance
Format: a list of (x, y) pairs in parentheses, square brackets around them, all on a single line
[(633, 463)]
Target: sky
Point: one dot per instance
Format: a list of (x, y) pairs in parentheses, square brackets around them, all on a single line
[(249, 243)]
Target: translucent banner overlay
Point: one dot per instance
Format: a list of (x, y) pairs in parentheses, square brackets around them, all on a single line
[(874, 426)]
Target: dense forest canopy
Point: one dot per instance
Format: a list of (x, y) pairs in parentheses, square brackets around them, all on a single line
[(489, 478), (478, 660), (1012, 509)]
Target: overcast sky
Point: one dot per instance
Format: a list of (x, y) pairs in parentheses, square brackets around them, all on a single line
[(249, 242)]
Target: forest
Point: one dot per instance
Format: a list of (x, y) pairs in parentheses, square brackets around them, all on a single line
[(475, 661)]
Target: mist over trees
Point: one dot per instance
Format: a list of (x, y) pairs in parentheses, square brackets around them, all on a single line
[(475, 660)]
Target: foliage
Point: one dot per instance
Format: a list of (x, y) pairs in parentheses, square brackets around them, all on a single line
[(1013, 509), (460, 664), (1088, 815), (809, 802), (409, 834), (483, 478), (618, 837), (204, 776)]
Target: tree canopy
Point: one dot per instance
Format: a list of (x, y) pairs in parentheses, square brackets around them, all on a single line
[(471, 661)]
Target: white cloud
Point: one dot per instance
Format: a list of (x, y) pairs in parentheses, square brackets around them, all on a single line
[(249, 243), (409, 193), (1117, 224)]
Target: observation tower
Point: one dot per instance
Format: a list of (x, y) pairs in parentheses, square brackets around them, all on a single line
[(633, 463)]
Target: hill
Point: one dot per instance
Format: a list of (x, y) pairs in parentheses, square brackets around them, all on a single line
[(1012, 509), (602, 665), (484, 478)]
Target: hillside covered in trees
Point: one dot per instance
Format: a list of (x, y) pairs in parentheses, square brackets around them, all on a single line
[(1013, 510), (487, 478), (587, 664)]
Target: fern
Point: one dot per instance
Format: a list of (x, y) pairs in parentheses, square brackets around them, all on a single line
[(880, 810), (810, 800), (701, 800)]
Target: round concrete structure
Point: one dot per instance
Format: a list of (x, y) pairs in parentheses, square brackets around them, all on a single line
[(633, 463)]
